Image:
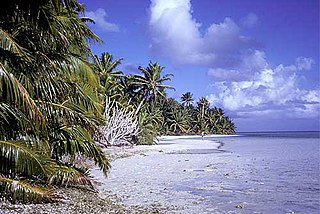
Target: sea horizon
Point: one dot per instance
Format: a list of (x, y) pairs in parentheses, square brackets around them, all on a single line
[(270, 131)]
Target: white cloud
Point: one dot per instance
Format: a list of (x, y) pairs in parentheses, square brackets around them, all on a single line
[(176, 34), (244, 82), (99, 16), (250, 20), (250, 62), (268, 91), (222, 37), (312, 96), (301, 64), (219, 74), (304, 63)]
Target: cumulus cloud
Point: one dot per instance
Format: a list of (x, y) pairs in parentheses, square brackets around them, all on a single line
[(250, 62), (176, 34), (255, 61), (268, 91), (99, 16), (244, 82)]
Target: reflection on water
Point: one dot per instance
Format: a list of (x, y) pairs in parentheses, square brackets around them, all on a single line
[(265, 173)]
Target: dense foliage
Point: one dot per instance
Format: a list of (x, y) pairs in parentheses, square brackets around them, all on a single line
[(53, 94), (50, 104), (156, 113)]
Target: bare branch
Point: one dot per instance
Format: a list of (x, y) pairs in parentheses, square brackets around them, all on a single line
[(120, 126)]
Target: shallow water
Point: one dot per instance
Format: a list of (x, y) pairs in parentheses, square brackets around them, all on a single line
[(266, 173)]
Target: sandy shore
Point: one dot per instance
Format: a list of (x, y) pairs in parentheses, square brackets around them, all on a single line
[(141, 180), (150, 177)]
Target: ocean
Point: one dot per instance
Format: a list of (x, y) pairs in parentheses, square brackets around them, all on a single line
[(270, 172)]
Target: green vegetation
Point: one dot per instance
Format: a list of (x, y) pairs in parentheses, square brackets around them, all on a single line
[(53, 95), (50, 103), (186, 119)]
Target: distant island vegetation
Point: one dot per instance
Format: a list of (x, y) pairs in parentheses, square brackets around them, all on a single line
[(59, 102)]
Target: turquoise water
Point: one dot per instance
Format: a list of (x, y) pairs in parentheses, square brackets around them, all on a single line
[(262, 173)]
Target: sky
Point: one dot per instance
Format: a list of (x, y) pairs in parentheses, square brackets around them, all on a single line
[(258, 60)]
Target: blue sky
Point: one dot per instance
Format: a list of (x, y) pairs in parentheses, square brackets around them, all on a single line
[(258, 60)]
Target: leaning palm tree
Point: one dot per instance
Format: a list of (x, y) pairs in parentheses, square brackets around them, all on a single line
[(49, 107), (187, 99)]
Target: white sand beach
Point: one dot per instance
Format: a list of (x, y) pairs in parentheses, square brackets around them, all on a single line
[(151, 176), (189, 175)]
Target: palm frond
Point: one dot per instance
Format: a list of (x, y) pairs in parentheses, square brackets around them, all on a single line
[(75, 139), (13, 120), (8, 112), (12, 91), (68, 112), (80, 70), (87, 97), (21, 191), (18, 158), (8, 43), (67, 176)]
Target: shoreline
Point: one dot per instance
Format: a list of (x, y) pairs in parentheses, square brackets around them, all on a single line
[(147, 176), (108, 201), (115, 152), (192, 176)]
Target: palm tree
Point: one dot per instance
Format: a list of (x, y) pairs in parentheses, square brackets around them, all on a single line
[(109, 77), (187, 99), (151, 83), (148, 122), (203, 105), (211, 120), (226, 126), (48, 101), (219, 113), (178, 122)]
